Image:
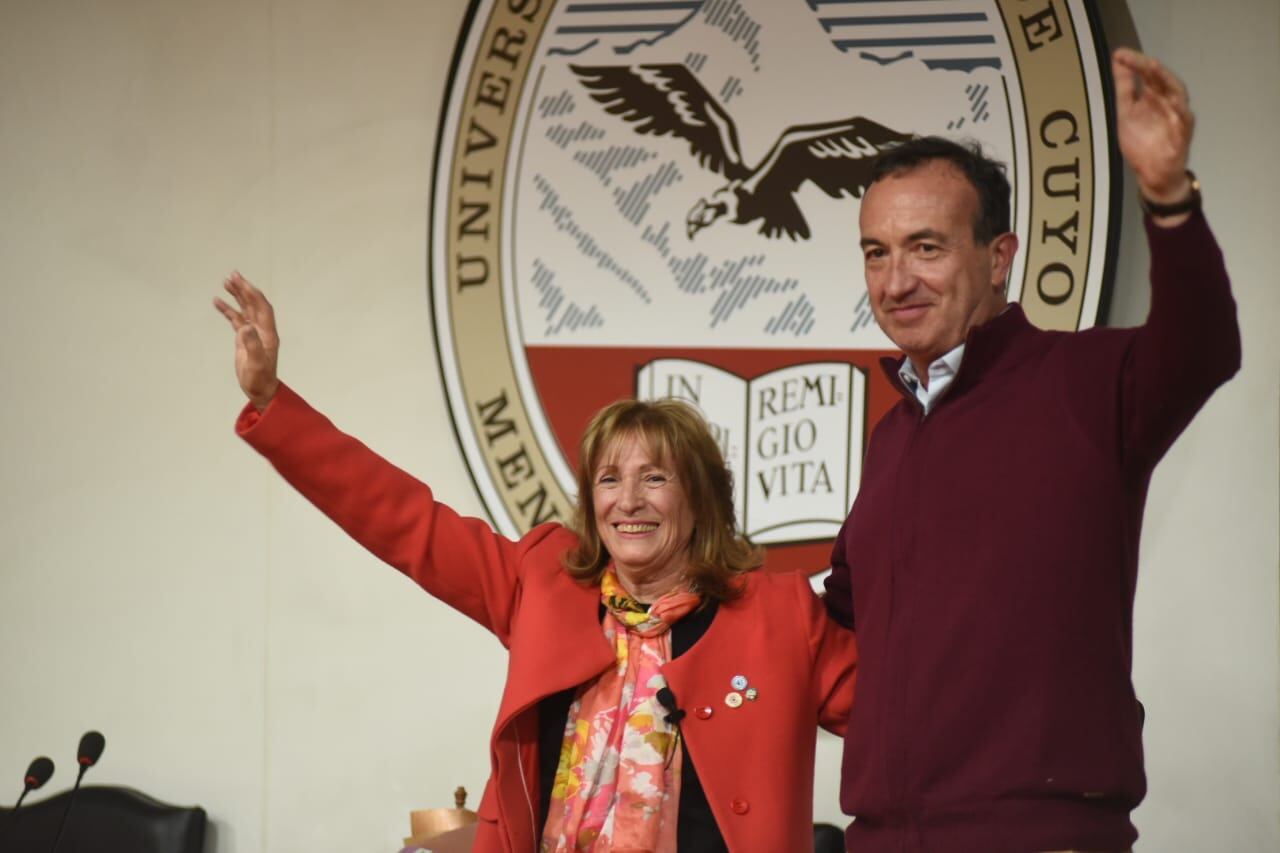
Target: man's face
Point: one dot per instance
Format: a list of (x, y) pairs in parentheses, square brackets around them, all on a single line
[(928, 280)]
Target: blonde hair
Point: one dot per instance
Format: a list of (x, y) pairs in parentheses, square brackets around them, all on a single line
[(676, 434)]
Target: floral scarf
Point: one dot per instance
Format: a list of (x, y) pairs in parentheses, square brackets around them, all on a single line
[(617, 786)]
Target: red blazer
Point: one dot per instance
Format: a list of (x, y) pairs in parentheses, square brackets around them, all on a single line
[(755, 761)]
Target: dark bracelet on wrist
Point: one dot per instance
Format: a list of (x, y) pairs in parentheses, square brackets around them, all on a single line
[(1188, 204)]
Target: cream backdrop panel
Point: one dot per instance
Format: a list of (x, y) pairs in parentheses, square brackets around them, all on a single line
[(159, 583)]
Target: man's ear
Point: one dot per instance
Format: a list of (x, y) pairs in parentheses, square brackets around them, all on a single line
[(1003, 248)]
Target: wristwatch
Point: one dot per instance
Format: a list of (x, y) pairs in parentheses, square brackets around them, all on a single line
[(1188, 204)]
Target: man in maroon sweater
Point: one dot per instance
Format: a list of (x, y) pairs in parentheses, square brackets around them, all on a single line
[(988, 565)]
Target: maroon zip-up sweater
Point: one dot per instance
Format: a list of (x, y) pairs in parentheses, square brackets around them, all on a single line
[(988, 567)]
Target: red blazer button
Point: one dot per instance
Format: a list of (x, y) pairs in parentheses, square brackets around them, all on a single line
[(740, 806), (703, 712)]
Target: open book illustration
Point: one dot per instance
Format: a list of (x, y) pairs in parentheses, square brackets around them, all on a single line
[(793, 439)]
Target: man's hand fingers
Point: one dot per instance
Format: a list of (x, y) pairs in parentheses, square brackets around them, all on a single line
[(1164, 81), (1188, 118), (1139, 62), (1147, 91), (1126, 86), (1129, 65), (1164, 87), (1179, 118), (1154, 77)]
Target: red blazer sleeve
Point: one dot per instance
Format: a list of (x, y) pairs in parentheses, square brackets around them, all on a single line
[(461, 561), (834, 655)]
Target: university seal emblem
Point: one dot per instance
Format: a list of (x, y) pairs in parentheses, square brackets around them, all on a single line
[(661, 199)]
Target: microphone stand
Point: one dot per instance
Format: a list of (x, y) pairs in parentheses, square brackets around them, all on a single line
[(67, 811), (37, 774), (86, 756)]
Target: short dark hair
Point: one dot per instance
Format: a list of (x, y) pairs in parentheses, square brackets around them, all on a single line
[(985, 175)]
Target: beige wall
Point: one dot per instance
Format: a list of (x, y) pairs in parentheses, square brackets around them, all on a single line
[(1206, 636), (156, 580)]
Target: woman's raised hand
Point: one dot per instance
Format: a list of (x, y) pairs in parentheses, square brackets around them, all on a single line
[(257, 344)]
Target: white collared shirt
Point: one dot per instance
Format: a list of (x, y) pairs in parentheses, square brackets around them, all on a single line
[(941, 372)]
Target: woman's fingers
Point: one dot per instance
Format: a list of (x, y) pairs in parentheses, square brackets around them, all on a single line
[(257, 309), (257, 344), (234, 317), (252, 343)]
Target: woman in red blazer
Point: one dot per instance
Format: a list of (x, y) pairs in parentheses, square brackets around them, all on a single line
[(661, 694)]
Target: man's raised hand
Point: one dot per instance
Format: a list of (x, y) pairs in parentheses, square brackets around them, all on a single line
[(1154, 124)]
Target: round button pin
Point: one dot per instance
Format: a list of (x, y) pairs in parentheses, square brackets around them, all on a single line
[(740, 806), (703, 713), (751, 694), (733, 700), (739, 682)]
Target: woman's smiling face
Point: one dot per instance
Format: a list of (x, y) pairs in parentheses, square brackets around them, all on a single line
[(642, 515)]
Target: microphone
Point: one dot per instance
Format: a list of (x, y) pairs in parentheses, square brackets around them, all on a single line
[(667, 700), (87, 755), (37, 774), (90, 751)]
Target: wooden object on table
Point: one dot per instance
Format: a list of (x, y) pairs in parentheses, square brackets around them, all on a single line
[(455, 841), (428, 825)]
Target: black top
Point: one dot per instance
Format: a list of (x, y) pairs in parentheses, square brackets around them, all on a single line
[(696, 830)]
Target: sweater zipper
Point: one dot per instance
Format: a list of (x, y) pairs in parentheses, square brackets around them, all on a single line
[(895, 768)]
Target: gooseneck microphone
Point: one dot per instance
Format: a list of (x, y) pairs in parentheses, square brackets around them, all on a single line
[(37, 774), (91, 746), (90, 750)]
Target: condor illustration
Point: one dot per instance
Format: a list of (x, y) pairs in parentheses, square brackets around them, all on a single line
[(663, 100)]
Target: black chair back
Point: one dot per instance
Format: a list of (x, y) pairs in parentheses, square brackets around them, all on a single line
[(827, 838), (103, 819)]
